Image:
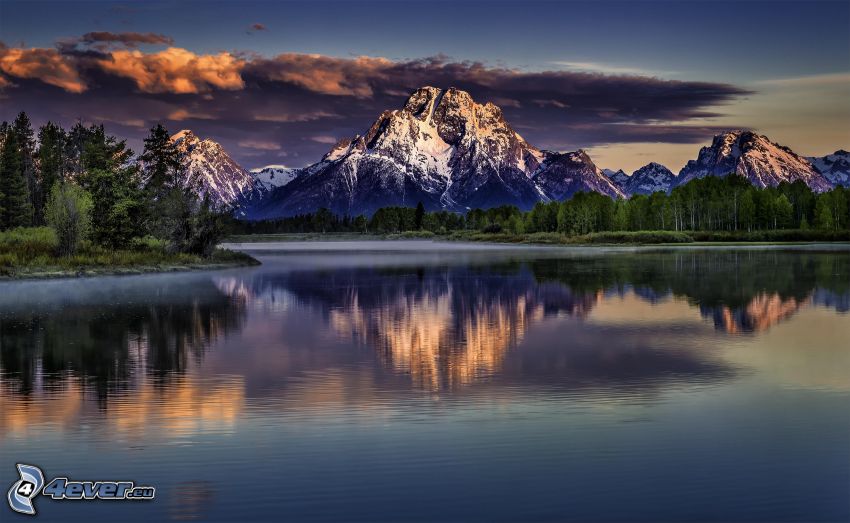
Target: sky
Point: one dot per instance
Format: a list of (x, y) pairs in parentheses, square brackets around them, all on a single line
[(280, 82)]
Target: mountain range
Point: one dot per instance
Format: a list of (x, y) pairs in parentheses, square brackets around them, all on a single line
[(449, 152)]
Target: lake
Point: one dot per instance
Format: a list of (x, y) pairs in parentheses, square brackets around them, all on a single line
[(419, 381)]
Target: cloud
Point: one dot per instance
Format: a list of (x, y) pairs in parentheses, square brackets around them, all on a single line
[(550, 103), (596, 67), (132, 122), (129, 39), (46, 65), (324, 74), (176, 70), (506, 102), (818, 80), (324, 139), (292, 98), (184, 114), (259, 145), (295, 116)]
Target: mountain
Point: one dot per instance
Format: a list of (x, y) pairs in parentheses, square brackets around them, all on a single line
[(214, 171), (447, 151), (650, 178), (756, 158), (274, 176), (560, 176), (619, 177), (834, 167), (443, 149)]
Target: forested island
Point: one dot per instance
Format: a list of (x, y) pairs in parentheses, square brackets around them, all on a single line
[(80, 202)]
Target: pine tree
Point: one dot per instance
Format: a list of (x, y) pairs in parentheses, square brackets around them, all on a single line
[(119, 207), (22, 127), (75, 143), (171, 202), (16, 209), (51, 146), (162, 165), (4, 128), (419, 216)]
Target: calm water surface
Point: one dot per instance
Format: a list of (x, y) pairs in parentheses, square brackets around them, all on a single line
[(412, 381)]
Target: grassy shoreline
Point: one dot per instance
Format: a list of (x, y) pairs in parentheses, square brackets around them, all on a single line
[(789, 237), (84, 271), (32, 254)]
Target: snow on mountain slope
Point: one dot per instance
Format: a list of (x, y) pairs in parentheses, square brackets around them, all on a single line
[(442, 148), (650, 178), (756, 158), (619, 177), (834, 167), (447, 151), (561, 175), (274, 176), (213, 171)]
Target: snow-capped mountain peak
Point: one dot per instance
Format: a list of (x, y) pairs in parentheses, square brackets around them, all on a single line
[(618, 177), (834, 167), (273, 176), (650, 178), (561, 175), (441, 148), (185, 135), (755, 157), (213, 171)]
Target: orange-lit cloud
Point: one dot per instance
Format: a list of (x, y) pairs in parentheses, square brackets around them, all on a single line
[(43, 64), (184, 114), (325, 74), (176, 70), (290, 97)]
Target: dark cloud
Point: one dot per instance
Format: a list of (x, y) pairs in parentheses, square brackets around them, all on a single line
[(129, 39), (291, 99)]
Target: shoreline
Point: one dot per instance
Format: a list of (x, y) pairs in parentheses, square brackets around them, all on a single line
[(236, 249), (527, 240), (55, 272)]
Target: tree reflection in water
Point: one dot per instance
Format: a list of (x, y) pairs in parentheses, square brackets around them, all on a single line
[(112, 337)]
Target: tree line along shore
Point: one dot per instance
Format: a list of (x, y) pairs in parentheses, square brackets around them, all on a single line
[(710, 209)]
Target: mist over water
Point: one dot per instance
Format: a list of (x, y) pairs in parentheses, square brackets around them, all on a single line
[(417, 381)]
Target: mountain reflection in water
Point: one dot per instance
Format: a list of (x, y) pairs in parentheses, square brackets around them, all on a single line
[(444, 325), (372, 377)]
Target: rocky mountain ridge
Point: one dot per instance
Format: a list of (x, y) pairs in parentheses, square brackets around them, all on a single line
[(449, 152)]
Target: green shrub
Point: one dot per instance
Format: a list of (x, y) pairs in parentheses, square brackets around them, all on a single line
[(148, 243), (787, 235), (546, 237), (23, 244), (407, 235), (635, 237), (68, 212)]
